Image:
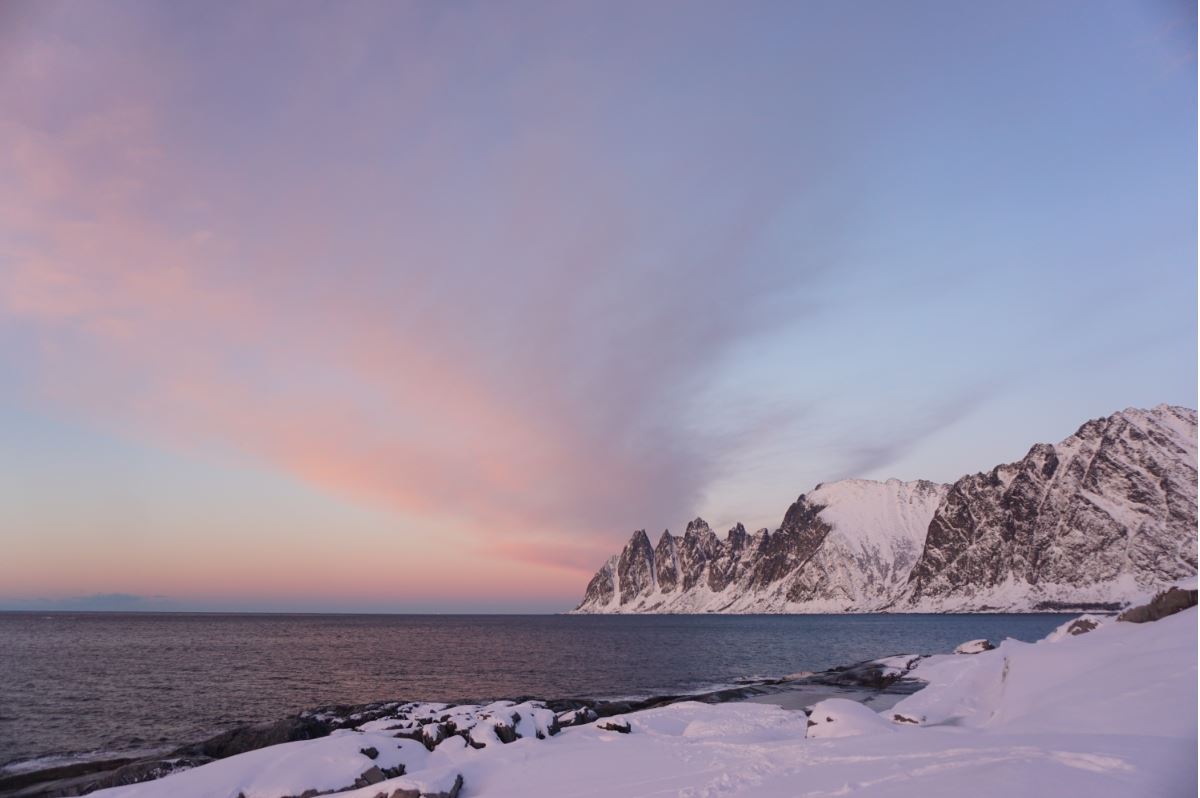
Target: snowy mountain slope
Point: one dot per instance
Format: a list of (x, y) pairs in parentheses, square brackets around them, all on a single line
[(1102, 518), (845, 545)]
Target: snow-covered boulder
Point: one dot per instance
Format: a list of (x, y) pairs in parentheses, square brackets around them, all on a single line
[(839, 717), (974, 647), (576, 717), (534, 720), (1076, 626)]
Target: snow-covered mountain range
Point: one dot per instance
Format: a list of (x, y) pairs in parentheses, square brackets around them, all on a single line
[(1101, 519)]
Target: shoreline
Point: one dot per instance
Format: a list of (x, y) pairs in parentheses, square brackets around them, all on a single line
[(862, 682), (850, 701), (77, 720)]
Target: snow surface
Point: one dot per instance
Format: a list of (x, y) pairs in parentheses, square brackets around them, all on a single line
[(328, 763), (867, 514), (1104, 714)]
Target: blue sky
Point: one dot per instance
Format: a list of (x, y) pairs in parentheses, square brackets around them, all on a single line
[(399, 307)]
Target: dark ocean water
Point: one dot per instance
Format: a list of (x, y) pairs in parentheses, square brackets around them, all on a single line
[(99, 683)]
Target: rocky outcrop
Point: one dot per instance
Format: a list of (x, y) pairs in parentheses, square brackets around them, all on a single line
[(1169, 602), (602, 590), (1106, 513), (1094, 522), (636, 567)]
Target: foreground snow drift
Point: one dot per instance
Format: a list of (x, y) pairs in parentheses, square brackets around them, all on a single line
[(1106, 712)]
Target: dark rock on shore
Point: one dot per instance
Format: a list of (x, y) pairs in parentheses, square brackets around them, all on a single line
[(506, 731), (1166, 603), (64, 777), (873, 674), (251, 738), (85, 777), (415, 793), (1081, 626)]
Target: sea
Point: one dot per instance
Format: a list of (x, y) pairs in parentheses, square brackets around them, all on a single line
[(78, 686)]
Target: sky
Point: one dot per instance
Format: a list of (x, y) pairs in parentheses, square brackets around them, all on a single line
[(425, 307)]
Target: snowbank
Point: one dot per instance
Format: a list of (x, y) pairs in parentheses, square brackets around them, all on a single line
[(1106, 713)]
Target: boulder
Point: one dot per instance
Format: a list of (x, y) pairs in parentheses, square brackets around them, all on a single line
[(434, 733), (577, 717), (506, 731), (840, 717), (1166, 603), (424, 790), (1076, 626), (372, 775), (617, 725), (1081, 626), (974, 647)]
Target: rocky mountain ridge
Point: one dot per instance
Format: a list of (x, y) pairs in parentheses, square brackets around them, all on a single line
[(1101, 519)]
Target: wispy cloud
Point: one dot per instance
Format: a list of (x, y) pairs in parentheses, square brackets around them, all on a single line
[(880, 448), (529, 281), (519, 364)]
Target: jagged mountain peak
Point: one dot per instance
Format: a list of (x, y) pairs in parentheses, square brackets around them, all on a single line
[(1098, 518), (639, 537)]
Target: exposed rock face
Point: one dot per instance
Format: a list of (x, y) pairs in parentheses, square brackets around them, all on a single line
[(1098, 520), (636, 567), (1115, 502), (796, 541), (603, 588), (698, 547), (666, 562)]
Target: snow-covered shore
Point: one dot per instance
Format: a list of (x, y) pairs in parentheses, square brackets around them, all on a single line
[(1111, 712)]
